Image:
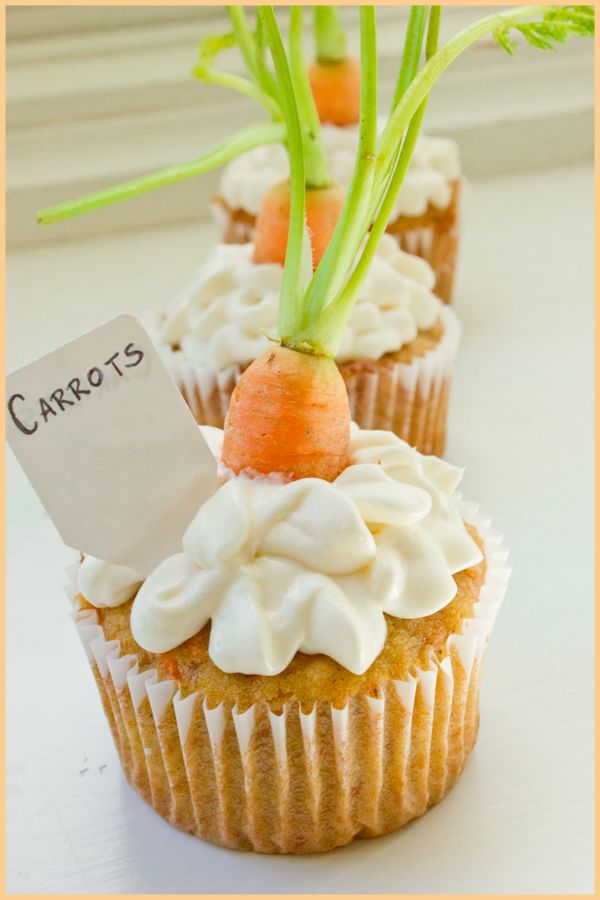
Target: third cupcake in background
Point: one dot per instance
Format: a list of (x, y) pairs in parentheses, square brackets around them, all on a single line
[(424, 219)]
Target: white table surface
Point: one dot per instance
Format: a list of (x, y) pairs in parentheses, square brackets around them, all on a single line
[(521, 817)]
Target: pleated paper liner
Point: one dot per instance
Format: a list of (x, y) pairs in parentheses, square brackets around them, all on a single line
[(433, 236), (300, 781), (410, 399)]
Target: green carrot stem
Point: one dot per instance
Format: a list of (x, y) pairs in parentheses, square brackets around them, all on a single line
[(239, 84), (292, 287), (433, 31), (252, 50), (244, 39), (422, 84), (340, 308), (265, 77), (411, 53), (409, 65), (254, 136), (330, 38), (409, 142), (349, 231), (315, 161), (429, 74)]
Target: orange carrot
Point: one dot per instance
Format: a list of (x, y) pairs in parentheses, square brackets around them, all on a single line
[(323, 207), (336, 89), (289, 414), (170, 666)]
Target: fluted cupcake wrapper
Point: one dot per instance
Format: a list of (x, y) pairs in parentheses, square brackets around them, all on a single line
[(300, 781), (410, 399), (435, 239)]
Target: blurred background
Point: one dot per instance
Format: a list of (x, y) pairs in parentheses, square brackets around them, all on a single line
[(100, 94)]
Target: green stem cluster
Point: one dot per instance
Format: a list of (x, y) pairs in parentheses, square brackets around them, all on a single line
[(314, 308)]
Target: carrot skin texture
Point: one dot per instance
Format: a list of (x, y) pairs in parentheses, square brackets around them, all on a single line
[(323, 208), (336, 90), (289, 415)]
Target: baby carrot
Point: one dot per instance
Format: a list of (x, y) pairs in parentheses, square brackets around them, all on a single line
[(322, 206), (289, 414), (334, 75), (336, 90)]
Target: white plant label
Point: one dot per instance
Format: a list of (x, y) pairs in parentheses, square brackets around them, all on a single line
[(110, 446)]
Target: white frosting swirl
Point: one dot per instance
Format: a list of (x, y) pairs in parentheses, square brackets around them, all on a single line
[(106, 584), (311, 566), (230, 311), (433, 167)]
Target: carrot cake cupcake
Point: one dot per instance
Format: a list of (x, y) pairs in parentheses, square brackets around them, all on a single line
[(396, 355), (307, 669)]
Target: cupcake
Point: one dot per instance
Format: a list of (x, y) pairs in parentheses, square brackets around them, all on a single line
[(425, 218), (307, 669), (396, 355)]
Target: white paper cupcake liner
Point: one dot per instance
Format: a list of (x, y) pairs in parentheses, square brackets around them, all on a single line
[(435, 241), (300, 781), (410, 399)]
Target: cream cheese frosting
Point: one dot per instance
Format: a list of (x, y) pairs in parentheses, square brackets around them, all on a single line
[(106, 584), (435, 164), (308, 566), (229, 313)]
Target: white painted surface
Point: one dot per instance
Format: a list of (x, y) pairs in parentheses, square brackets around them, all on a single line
[(520, 819)]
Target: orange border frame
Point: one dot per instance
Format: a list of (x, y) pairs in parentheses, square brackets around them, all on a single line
[(3, 462)]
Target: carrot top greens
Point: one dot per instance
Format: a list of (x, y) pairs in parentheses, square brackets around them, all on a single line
[(542, 27), (313, 320), (314, 308)]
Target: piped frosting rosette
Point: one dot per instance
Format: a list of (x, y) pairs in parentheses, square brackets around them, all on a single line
[(396, 357), (280, 568)]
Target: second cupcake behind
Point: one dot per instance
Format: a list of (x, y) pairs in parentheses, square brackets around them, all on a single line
[(396, 356)]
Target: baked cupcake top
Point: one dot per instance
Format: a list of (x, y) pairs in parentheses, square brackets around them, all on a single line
[(305, 566), (229, 313), (433, 168)]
